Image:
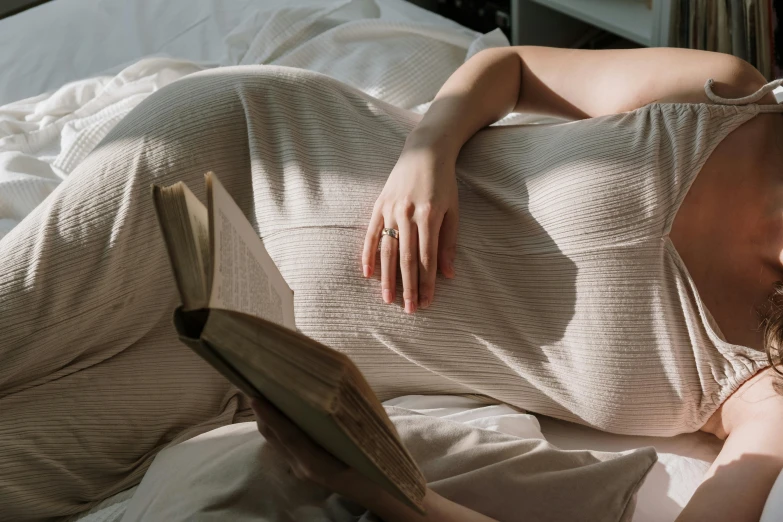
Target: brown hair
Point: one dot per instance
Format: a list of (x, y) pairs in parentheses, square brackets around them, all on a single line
[(773, 330)]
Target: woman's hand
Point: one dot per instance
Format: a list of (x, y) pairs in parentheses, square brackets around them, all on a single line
[(420, 201), (307, 460), (310, 462)]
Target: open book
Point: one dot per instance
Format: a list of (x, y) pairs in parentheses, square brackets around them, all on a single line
[(238, 314)]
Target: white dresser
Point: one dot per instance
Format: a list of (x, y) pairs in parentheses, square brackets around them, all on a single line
[(560, 22)]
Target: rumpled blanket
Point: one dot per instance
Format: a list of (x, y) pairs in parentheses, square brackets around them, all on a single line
[(44, 138)]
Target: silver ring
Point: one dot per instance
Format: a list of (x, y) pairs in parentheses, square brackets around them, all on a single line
[(391, 232)]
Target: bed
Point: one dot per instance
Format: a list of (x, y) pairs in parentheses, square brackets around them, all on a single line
[(100, 58)]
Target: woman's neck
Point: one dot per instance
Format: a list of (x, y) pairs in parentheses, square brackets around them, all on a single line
[(729, 230)]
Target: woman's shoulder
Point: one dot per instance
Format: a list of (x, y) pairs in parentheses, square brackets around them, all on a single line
[(756, 399)]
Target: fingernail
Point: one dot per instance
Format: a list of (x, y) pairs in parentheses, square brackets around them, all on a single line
[(424, 302), (387, 297), (366, 270), (410, 306)]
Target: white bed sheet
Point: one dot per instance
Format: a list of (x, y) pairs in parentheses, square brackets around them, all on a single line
[(47, 46), (43, 138), (682, 460)]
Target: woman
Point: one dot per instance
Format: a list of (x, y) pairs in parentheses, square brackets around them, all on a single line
[(608, 270), (728, 232)]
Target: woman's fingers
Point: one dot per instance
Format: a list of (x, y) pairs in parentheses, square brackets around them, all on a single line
[(371, 243), (389, 246), (264, 425), (447, 243), (429, 227), (409, 263), (426, 242), (307, 459), (260, 407), (272, 429)]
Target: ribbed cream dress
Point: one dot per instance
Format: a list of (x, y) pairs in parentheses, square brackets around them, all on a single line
[(570, 300)]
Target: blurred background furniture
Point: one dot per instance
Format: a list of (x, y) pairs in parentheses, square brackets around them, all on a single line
[(748, 29), (555, 22), (562, 23), (11, 7)]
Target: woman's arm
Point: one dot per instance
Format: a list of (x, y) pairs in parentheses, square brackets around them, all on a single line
[(420, 197), (739, 481), (737, 484), (575, 84)]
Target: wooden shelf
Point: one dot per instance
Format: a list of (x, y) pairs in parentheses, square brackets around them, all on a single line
[(631, 19), (11, 7)]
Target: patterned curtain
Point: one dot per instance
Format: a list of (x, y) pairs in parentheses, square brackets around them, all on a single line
[(749, 29)]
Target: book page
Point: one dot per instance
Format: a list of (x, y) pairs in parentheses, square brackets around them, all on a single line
[(199, 225), (244, 277), (184, 224)]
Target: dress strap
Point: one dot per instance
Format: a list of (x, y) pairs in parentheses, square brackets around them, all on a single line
[(776, 86)]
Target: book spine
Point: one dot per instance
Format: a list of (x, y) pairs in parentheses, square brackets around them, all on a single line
[(750, 32), (738, 30), (190, 336), (777, 42), (685, 24), (771, 39), (723, 28), (764, 32)]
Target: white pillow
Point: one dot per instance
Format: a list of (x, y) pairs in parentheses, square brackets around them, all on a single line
[(230, 474)]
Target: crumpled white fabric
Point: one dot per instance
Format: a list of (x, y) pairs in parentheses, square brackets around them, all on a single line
[(42, 139), (465, 410), (231, 473)]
